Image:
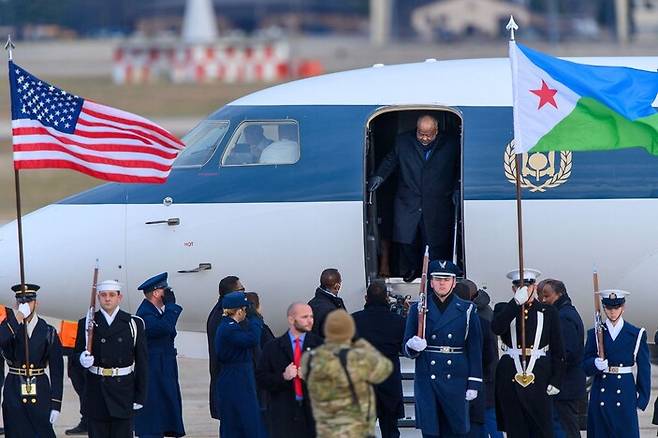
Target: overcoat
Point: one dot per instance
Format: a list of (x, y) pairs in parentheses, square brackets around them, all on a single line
[(425, 189), (442, 378), (163, 412), (28, 419), (285, 417), (615, 398), (236, 385)]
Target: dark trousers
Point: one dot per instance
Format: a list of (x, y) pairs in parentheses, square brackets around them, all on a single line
[(444, 428), (78, 377), (110, 428), (388, 422), (565, 418), (411, 254)]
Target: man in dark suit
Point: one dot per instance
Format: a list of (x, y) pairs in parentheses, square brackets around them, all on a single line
[(162, 414), (226, 285), (117, 366), (326, 299), (289, 412), (565, 415), (385, 331), (424, 209)]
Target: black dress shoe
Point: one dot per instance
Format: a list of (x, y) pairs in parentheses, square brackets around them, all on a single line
[(410, 276), (80, 429), (2, 430)]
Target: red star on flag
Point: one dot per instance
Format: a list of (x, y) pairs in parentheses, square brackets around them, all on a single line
[(546, 95)]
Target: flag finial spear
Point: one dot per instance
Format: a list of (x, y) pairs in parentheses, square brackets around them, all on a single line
[(511, 26), (9, 47)]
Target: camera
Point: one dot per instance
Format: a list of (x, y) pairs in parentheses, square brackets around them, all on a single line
[(399, 304)]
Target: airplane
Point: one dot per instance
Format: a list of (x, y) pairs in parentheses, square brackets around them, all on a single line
[(278, 222)]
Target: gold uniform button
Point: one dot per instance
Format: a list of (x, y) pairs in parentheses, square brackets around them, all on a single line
[(34, 400), (24, 400), (31, 365)]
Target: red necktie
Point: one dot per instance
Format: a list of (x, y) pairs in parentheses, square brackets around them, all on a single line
[(297, 359)]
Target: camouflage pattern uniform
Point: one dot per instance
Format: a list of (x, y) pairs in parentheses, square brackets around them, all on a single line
[(333, 409)]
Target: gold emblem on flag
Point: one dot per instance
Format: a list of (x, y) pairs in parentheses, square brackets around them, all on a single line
[(539, 170)]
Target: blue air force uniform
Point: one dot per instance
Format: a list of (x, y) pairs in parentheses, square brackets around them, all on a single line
[(236, 383), (451, 363), (28, 416), (616, 394), (162, 414)]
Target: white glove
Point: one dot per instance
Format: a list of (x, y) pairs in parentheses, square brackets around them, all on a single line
[(416, 343), (552, 390), (521, 295), (137, 406), (471, 394), (24, 308), (601, 364), (86, 359), (54, 415)]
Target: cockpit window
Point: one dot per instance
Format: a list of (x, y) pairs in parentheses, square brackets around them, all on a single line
[(263, 143), (201, 142)]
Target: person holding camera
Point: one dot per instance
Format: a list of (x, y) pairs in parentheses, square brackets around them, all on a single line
[(384, 329), (162, 414)]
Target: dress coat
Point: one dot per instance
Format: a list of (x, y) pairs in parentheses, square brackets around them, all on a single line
[(115, 346), (520, 409), (573, 333), (236, 385), (425, 189), (385, 331), (162, 413), (212, 323), (441, 379), (28, 419), (322, 304), (615, 398), (286, 417)]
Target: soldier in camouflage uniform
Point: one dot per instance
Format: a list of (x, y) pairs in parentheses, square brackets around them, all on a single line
[(339, 376)]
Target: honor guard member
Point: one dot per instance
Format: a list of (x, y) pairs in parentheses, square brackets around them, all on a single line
[(31, 401), (616, 394), (522, 406), (117, 366), (448, 359), (236, 383), (162, 414)]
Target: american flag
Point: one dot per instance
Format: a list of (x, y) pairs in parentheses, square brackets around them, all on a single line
[(55, 129)]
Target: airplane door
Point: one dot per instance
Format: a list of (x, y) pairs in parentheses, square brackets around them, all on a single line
[(166, 237)]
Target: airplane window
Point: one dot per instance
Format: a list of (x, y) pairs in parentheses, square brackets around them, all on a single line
[(264, 143), (201, 142)]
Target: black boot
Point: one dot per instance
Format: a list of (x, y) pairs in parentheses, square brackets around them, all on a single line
[(80, 429), (410, 276)]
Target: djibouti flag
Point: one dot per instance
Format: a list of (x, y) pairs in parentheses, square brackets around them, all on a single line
[(564, 106)]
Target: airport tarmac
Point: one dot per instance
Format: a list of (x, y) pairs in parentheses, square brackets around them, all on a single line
[(194, 379)]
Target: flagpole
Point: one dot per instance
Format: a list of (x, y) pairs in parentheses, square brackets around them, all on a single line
[(512, 26), (9, 47)]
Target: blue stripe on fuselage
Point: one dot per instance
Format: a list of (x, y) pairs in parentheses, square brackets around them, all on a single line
[(331, 165)]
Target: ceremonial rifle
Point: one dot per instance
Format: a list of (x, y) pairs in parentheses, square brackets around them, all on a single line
[(91, 311), (598, 321), (422, 296)]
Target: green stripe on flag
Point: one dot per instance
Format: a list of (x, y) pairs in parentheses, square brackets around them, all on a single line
[(593, 126)]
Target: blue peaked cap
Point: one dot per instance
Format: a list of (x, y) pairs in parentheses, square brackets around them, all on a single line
[(443, 268), (156, 282), (235, 300)]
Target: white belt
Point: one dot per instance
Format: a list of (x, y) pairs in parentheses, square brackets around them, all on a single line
[(529, 352), (111, 372), (619, 370)]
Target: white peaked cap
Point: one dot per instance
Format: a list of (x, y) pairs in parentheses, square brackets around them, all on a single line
[(613, 294), (108, 285), (528, 273)]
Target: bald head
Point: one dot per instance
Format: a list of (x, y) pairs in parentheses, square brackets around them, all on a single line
[(300, 318), (427, 128)]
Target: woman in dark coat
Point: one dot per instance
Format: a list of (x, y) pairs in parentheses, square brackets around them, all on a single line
[(236, 385)]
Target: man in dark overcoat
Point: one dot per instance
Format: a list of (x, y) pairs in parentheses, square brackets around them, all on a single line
[(523, 394), (326, 299), (227, 284), (289, 412), (117, 366), (30, 411), (565, 415), (162, 414), (423, 213), (385, 331)]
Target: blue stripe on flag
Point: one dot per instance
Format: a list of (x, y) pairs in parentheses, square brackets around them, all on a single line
[(628, 91)]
